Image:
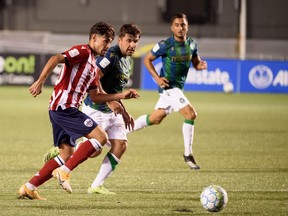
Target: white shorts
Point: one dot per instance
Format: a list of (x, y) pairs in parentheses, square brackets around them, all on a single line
[(172, 100), (113, 125)]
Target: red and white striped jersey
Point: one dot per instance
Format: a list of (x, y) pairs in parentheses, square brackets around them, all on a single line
[(76, 77)]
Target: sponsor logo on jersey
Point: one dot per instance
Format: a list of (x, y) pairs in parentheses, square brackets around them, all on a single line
[(104, 62), (73, 52), (181, 58)]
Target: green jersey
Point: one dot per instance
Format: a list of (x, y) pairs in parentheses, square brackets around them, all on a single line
[(116, 69), (176, 59)]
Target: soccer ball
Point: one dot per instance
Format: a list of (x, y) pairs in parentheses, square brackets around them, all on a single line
[(214, 198), (228, 87)]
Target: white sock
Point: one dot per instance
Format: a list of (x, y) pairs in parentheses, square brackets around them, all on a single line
[(140, 122), (65, 169), (105, 171), (188, 134), (59, 160), (30, 186)]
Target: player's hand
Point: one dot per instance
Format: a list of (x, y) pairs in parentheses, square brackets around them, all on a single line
[(130, 93), (202, 65), (163, 82), (116, 107), (36, 88), (128, 120)]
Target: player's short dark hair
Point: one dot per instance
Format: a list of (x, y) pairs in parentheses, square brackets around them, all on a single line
[(179, 15), (102, 28), (131, 29)]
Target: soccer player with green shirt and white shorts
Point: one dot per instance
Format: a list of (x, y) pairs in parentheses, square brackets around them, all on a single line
[(114, 69), (177, 52)]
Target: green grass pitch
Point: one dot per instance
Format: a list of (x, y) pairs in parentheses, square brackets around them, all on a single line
[(241, 143)]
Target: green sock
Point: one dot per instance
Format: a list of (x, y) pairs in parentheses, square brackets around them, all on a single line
[(189, 121), (147, 120), (112, 160)]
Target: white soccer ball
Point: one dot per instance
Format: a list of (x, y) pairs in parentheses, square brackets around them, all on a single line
[(214, 198), (228, 87)]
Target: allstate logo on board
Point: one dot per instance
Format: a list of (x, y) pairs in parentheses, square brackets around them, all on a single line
[(261, 76)]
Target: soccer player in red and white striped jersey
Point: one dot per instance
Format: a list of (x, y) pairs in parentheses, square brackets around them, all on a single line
[(77, 77)]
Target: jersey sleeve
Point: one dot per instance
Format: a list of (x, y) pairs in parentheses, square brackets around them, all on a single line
[(159, 49), (194, 48), (76, 55), (107, 62)]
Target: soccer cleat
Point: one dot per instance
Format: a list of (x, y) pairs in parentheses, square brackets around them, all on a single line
[(191, 162), (64, 180), (25, 193), (100, 190), (52, 153)]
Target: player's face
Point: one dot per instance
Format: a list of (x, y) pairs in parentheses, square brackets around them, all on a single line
[(179, 28), (128, 44), (101, 44)]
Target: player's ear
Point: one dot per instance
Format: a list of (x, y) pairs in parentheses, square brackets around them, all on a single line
[(94, 36), (119, 39)]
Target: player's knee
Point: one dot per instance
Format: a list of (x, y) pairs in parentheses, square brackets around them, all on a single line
[(123, 146), (194, 115)]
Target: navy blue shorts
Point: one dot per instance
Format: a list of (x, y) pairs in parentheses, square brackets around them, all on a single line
[(69, 125)]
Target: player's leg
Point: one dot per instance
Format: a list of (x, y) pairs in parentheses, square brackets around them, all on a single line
[(77, 124), (179, 103), (96, 139), (154, 118), (161, 110), (29, 190), (118, 142), (55, 151), (142, 122), (189, 114), (110, 161)]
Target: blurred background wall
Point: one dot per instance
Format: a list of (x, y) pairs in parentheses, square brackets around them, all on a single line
[(245, 42), (57, 24), (208, 18)]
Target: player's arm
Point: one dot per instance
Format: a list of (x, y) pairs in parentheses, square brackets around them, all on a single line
[(115, 106), (161, 81), (198, 64), (127, 118), (100, 97), (36, 88)]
